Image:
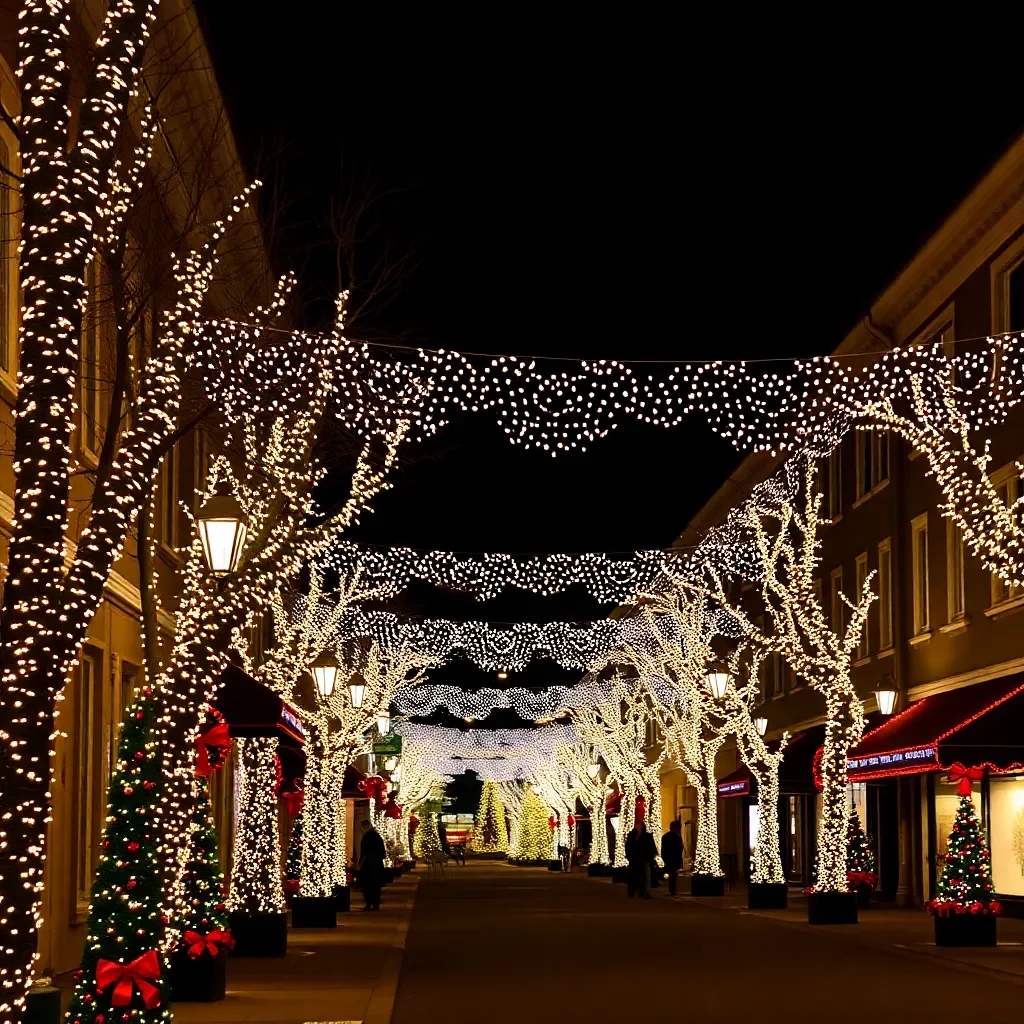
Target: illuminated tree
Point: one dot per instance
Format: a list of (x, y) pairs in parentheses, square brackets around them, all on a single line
[(513, 795), (773, 540), (427, 841), (490, 834), (534, 839)]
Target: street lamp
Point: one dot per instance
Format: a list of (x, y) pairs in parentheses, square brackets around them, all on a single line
[(536, 790), (502, 673), (222, 531), (718, 682), (355, 694), (886, 700), (594, 770), (391, 764), (383, 723), (325, 674), (761, 725)]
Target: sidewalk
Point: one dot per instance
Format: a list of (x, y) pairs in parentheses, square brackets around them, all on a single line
[(347, 974), (908, 930)]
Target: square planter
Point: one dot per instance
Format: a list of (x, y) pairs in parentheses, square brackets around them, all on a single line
[(707, 885), (554, 865), (42, 1005), (863, 896), (620, 875), (314, 912), (965, 930), (832, 908), (596, 871), (342, 898), (259, 934), (198, 980), (767, 896)]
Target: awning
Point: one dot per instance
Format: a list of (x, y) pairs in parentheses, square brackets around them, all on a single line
[(350, 784), (737, 783), (252, 709), (978, 726)]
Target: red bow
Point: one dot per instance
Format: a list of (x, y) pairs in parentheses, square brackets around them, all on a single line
[(551, 823), (375, 788), (218, 737), (572, 821), (640, 812), (965, 776), (139, 973), (414, 823), (210, 943), (293, 802), (392, 810)]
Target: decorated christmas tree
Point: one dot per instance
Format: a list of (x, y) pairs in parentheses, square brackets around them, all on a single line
[(123, 976), (490, 834), (293, 861), (204, 921), (860, 861), (535, 842), (427, 840), (966, 883)]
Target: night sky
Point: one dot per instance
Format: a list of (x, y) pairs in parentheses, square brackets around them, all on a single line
[(613, 187)]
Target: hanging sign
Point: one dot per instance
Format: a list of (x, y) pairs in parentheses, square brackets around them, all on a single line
[(388, 746)]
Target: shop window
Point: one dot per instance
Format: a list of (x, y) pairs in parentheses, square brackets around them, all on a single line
[(919, 551), (1006, 834), (885, 640), (775, 670), (947, 802), (794, 836), (863, 647), (837, 608), (955, 602), (91, 757)]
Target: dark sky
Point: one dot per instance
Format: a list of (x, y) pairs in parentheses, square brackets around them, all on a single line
[(598, 186)]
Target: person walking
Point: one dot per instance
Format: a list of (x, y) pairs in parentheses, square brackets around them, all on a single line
[(371, 866), (640, 853), (672, 854)]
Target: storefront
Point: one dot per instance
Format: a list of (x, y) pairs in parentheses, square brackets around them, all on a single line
[(904, 763), (796, 809)]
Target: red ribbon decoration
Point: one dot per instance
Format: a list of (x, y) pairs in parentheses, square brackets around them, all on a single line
[(375, 788), (392, 810), (613, 804), (139, 973), (293, 802), (218, 737), (551, 823), (965, 776), (414, 823), (640, 813), (211, 943), (572, 821)]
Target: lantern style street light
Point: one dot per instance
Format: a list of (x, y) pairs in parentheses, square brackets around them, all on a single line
[(594, 770), (383, 723), (886, 700), (391, 764), (325, 675), (502, 673), (355, 694), (761, 724), (222, 532), (718, 682)]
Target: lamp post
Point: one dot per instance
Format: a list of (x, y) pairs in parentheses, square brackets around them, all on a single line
[(222, 532), (718, 682)]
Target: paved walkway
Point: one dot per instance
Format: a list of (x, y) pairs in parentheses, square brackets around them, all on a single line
[(502, 944)]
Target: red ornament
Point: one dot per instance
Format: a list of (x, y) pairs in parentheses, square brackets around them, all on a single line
[(212, 744), (131, 883), (133, 846), (140, 755)]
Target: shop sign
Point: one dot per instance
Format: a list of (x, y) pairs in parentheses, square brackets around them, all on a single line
[(388, 746), (914, 759), (291, 722), (738, 788)]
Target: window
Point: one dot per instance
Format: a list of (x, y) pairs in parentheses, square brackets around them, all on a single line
[(201, 465), (837, 607), (1014, 297), (89, 364), (91, 756), (863, 647), (775, 684), (919, 553), (872, 460), (1007, 483), (169, 499), (885, 641), (835, 484), (954, 571)]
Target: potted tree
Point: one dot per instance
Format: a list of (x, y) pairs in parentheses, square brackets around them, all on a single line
[(860, 862)]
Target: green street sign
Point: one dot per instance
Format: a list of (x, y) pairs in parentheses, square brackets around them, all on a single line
[(430, 807), (388, 746)]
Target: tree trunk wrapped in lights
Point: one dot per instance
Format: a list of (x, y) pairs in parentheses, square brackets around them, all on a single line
[(773, 540), (256, 867), (319, 844)]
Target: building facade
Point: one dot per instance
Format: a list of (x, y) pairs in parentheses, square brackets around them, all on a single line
[(941, 624)]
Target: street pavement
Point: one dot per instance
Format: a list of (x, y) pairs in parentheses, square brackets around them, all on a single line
[(495, 943)]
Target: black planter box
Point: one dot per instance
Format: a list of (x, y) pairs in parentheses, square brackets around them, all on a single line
[(620, 874), (554, 865), (201, 979), (259, 934), (42, 1005), (388, 876), (342, 898), (832, 908), (767, 896), (596, 871), (314, 912), (965, 930), (707, 885), (863, 896)]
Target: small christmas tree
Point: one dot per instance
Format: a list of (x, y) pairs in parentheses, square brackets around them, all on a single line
[(123, 975), (966, 883), (860, 861), (490, 834), (427, 840), (534, 832), (293, 861), (204, 922)]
